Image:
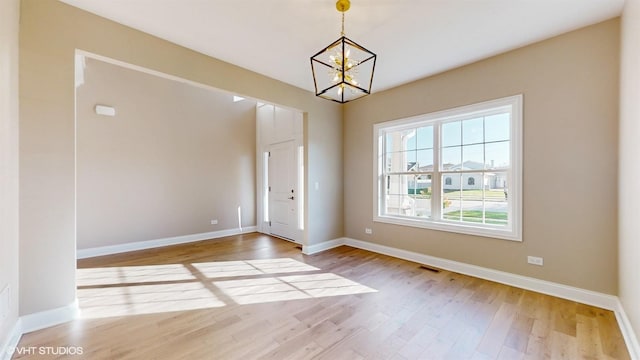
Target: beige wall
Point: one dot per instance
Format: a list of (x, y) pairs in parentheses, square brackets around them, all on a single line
[(629, 195), (49, 34), (570, 87), (9, 19), (173, 158), (325, 144)]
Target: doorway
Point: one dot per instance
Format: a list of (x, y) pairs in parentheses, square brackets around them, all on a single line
[(280, 172)]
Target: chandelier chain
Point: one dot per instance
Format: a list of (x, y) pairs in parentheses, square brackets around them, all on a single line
[(342, 32)]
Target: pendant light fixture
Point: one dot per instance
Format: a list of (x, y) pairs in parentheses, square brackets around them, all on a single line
[(343, 71)]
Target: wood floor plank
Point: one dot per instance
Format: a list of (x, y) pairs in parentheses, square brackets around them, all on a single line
[(589, 345), (253, 296), (466, 344), (518, 335), (498, 330), (563, 346)]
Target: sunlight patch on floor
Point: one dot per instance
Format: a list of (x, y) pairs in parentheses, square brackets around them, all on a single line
[(132, 274), (218, 269), (135, 290), (252, 291), (145, 299)]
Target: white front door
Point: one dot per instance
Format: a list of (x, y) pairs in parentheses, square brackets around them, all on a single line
[(282, 196)]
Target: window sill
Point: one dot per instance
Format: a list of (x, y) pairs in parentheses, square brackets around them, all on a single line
[(503, 234)]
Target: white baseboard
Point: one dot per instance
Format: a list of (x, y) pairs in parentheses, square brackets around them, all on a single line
[(150, 244), (37, 321), (323, 246), (48, 318), (6, 349), (628, 334), (588, 297)]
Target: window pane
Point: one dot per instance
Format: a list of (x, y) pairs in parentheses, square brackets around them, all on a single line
[(496, 127), (451, 196), (410, 161), (396, 185), (472, 185), (402, 161), (401, 140), (496, 197), (409, 139), (497, 155), (389, 142), (411, 185), (472, 131), (498, 182), (464, 202), (425, 137), (451, 134), (471, 209), (420, 185), (399, 188), (425, 160), (421, 195), (392, 205), (451, 157), (473, 157)]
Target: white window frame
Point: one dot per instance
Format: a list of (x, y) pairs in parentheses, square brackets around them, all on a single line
[(514, 229)]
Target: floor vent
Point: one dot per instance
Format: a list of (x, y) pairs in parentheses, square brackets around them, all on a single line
[(429, 268)]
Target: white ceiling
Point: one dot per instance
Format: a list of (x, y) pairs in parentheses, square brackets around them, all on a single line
[(412, 38)]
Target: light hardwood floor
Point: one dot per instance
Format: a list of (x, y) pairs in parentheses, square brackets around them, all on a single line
[(257, 297)]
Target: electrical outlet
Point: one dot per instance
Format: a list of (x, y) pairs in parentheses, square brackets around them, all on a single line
[(368, 231), (214, 222), (534, 260)]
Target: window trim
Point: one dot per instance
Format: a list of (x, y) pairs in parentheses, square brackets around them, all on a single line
[(515, 173)]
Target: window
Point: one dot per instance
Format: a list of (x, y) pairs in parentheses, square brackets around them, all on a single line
[(456, 170)]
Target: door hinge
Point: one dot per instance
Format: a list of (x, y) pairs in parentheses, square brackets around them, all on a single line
[(269, 188), (269, 222), (269, 153)]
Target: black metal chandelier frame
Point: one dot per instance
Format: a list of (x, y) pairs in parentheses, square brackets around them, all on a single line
[(343, 41), (342, 69)]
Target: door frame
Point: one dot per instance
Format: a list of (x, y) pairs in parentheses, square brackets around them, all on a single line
[(265, 137)]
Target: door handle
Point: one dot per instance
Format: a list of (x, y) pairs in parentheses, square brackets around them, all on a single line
[(291, 198)]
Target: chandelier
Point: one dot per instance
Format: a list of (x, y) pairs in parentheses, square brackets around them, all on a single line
[(343, 71)]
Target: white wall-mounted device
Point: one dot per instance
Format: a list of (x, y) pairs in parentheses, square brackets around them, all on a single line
[(105, 110)]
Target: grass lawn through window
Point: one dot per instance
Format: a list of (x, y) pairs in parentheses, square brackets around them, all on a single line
[(491, 217)]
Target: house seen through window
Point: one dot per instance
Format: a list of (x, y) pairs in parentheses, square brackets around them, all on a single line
[(456, 170)]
